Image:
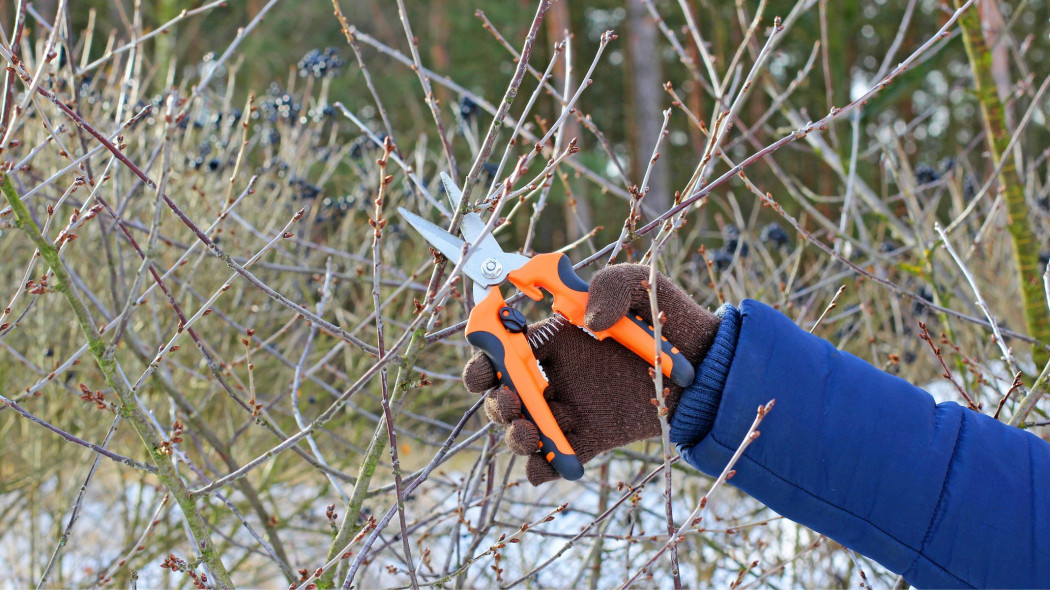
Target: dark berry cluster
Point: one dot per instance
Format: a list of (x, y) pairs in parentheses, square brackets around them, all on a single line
[(278, 105), (734, 245), (467, 107), (363, 145), (342, 204), (775, 236), (203, 161), (336, 208), (723, 257), (925, 174), (303, 190), (324, 111), (320, 64)]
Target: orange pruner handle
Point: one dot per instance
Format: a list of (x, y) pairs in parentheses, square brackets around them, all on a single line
[(499, 331), (553, 273)]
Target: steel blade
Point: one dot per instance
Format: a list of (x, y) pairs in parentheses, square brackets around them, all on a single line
[(472, 227), (451, 190), (444, 242), (488, 265)]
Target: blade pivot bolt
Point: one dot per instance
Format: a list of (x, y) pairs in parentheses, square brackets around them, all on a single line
[(491, 268)]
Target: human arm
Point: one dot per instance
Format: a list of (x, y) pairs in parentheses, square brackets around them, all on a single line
[(942, 494)]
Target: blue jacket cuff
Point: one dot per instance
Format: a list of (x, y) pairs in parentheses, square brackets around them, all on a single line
[(695, 415)]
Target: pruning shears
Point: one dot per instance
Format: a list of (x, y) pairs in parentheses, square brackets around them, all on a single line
[(500, 330)]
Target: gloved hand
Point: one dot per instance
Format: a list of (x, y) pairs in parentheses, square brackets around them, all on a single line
[(600, 393)]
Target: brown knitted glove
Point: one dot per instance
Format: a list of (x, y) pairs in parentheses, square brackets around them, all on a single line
[(600, 393)]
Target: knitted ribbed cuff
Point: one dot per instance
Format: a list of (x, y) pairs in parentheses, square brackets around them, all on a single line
[(695, 415)]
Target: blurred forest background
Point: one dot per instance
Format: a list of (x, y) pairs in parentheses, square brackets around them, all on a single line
[(929, 109), (226, 422)]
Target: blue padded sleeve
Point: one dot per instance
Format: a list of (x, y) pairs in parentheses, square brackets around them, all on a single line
[(695, 414), (944, 495)]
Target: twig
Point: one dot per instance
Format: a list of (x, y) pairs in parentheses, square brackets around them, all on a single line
[(1028, 402), (662, 410), (132, 409), (697, 516), (637, 195), (99, 450), (766, 574), (1008, 355), (631, 492), (1017, 384), (830, 307), (701, 47), (925, 337), (139, 39), (445, 450), (351, 38), (428, 92)]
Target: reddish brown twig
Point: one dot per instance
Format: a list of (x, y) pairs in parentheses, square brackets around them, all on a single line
[(947, 374)]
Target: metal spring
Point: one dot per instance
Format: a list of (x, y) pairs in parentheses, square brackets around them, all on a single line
[(542, 334)]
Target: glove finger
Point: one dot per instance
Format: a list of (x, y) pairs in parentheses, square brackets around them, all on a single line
[(522, 437), (539, 471), (479, 375), (503, 406), (617, 289), (613, 291), (620, 289)]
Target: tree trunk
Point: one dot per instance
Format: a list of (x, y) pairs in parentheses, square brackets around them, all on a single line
[(645, 99), (1026, 250)]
